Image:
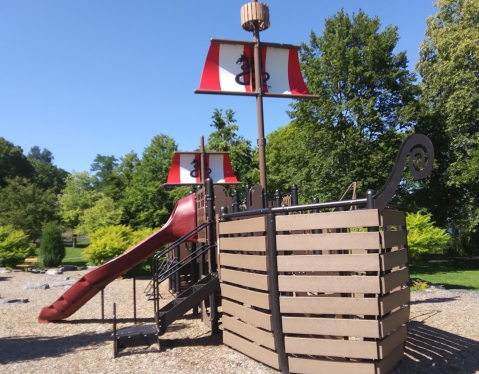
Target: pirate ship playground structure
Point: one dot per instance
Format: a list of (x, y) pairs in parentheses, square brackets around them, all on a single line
[(315, 288)]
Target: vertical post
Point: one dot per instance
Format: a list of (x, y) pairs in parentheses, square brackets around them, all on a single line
[(193, 272), (134, 300), (258, 78), (294, 194), (203, 161), (115, 340), (210, 208), (277, 197), (236, 201), (177, 272), (247, 196), (315, 231), (102, 306), (274, 292)]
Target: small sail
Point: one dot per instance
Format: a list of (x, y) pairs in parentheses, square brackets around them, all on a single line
[(186, 168)]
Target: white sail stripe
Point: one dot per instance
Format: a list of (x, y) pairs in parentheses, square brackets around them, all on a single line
[(186, 167), (216, 166), (228, 68), (277, 66)]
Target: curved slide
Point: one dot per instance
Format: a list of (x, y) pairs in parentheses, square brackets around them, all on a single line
[(181, 222)]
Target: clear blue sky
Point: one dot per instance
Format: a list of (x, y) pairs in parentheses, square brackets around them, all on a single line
[(89, 77)]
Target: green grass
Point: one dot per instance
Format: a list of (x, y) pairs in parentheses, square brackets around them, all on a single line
[(74, 256), (458, 273)]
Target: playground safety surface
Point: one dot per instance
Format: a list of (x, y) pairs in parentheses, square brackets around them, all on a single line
[(443, 334)]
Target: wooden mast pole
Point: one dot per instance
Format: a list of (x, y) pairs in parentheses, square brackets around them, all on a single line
[(255, 18)]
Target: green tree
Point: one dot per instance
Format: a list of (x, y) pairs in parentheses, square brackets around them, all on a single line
[(103, 213), (449, 68), (103, 168), (146, 201), (46, 175), (367, 101), (27, 207), (52, 249), (14, 246), (78, 195), (13, 162), (225, 138)]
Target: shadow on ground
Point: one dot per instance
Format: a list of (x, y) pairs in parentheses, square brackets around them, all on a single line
[(430, 350), (17, 349), (435, 300)]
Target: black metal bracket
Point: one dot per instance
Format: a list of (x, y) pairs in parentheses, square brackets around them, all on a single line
[(420, 167)]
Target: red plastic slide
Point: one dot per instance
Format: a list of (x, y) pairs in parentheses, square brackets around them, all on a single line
[(182, 221)]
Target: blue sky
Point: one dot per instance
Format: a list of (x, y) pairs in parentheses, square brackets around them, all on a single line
[(89, 77)]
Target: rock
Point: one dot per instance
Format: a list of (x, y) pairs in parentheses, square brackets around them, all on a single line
[(91, 267), (68, 267), (11, 301), (4, 270), (61, 284), (35, 286), (54, 272)]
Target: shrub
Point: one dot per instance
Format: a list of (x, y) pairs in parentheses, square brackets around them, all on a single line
[(418, 285), (422, 236), (110, 242), (52, 250), (14, 246)]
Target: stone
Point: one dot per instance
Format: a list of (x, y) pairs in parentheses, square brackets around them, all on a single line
[(35, 286), (54, 272), (4, 270), (11, 301), (91, 267), (68, 267), (61, 284)]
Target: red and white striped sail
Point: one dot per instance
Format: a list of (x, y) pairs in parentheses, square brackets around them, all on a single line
[(230, 68), (186, 168)]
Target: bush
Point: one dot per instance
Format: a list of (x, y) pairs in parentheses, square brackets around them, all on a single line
[(110, 242), (14, 246), (52, 250), (422, 236)]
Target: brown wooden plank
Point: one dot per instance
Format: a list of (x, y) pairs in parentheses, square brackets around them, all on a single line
[(248, 315), (348, 219), (393, 280), (251, 350), (311, 366), (387, 364), (259, 281), (390, 343), (311, 242), (249, 332), (330, 326), (393, 238), (247, 243), (356, 262), (251, 262), (393, 218), (392, 259), (242, 226), (394, 300), (248, 297), (346, 284), (394, 321), (329, 305), (331, 347)]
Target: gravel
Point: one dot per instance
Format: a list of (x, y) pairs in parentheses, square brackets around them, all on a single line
[(443, 334)]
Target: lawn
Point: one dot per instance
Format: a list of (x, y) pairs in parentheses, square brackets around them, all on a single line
[(459, 273), (74, 255)]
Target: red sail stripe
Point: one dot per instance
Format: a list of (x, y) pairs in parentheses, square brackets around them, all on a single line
[(248, 51), (296, 82), (210, 79), (174, 174), (228, 173), (198, 159)]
